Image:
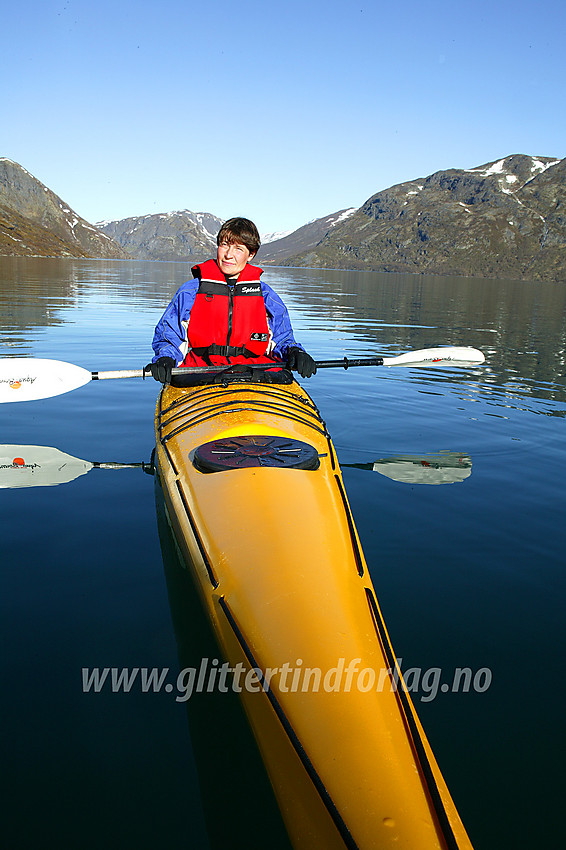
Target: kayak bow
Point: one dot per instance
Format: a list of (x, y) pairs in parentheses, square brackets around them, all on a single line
[(255, 497)]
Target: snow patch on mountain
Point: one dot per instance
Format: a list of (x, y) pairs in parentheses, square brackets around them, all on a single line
[(342, 217), (266, 238), (542, 166), (501, 168)]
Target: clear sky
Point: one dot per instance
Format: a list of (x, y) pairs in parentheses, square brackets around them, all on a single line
[(279, 111)]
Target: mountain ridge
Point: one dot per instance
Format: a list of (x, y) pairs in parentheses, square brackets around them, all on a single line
[(504, 219), (302, 239), (34, 221), (178, 235)]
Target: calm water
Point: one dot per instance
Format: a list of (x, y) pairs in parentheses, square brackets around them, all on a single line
[(468, 575)]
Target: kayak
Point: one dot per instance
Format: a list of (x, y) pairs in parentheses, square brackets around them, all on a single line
[(254, 495)]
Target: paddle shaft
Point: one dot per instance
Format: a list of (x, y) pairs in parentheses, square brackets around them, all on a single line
[(345, 363)]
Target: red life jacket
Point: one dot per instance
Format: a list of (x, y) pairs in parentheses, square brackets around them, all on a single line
[(228, 324)]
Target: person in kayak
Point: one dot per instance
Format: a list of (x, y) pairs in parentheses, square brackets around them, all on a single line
[(226, 314)]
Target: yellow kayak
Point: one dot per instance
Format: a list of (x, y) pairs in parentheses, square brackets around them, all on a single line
[(255, 497)]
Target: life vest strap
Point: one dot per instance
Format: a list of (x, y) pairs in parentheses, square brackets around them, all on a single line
[(223, 351)]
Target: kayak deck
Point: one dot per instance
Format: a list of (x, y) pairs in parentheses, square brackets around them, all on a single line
[(255, 497)]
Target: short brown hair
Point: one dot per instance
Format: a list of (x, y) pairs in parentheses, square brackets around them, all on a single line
[(240, 230)]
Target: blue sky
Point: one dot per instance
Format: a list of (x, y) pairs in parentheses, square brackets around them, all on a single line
[(282, 112)]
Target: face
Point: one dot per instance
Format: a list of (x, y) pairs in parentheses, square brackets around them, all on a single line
[(232, 257)]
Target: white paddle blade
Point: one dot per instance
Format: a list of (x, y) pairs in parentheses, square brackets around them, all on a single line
[(38, 466), (447, 356), (27, 378)]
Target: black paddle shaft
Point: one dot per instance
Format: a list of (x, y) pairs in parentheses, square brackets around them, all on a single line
[(346, 362)]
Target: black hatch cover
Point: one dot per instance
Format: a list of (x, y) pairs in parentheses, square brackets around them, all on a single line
[(254, 451)]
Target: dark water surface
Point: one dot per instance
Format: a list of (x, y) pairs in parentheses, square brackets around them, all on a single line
[(469, 574)]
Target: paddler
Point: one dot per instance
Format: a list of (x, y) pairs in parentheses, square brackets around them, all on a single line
[(226, 314)]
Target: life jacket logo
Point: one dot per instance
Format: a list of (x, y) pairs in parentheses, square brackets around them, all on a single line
[(260, 337), (251, 290)]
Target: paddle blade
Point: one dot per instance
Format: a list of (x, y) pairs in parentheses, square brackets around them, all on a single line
[(447, 356), (38, 466), (27, 378)]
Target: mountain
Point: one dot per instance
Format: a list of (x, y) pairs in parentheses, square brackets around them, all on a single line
[(190, 236), (34, 221), (276, 251), (182, 235), (505, 219)]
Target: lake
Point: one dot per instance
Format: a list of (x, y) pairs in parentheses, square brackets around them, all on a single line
[(469, 574)]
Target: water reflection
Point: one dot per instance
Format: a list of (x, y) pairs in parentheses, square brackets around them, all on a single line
[(442, 467), (231, 773), (40, 292), (46, 466), (30, 299), (520, 326)]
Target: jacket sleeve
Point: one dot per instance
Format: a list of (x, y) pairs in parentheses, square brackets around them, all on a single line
[(170, 337), (279, 322)]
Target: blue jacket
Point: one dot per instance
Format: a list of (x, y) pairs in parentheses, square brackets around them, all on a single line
[(170, 337)]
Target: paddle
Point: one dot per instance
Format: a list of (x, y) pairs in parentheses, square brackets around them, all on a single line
[(44, 466), (27, 378)]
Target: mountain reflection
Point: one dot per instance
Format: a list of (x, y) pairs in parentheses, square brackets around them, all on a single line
[(520, 326)]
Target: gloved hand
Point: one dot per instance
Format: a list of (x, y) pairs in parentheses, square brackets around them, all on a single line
[(161, 369), (301, 362)]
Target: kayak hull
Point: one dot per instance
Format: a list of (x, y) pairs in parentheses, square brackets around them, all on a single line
[(277, 560)]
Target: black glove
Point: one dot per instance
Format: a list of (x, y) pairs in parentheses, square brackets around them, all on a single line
[(161, 369), (301, 362)]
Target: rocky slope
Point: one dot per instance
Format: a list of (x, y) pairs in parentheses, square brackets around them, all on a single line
[(505, 219), (182, 235), (34, 221), (304, 239)]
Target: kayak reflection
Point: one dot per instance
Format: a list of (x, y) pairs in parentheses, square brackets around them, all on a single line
[(444, 467), (231, 773)]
